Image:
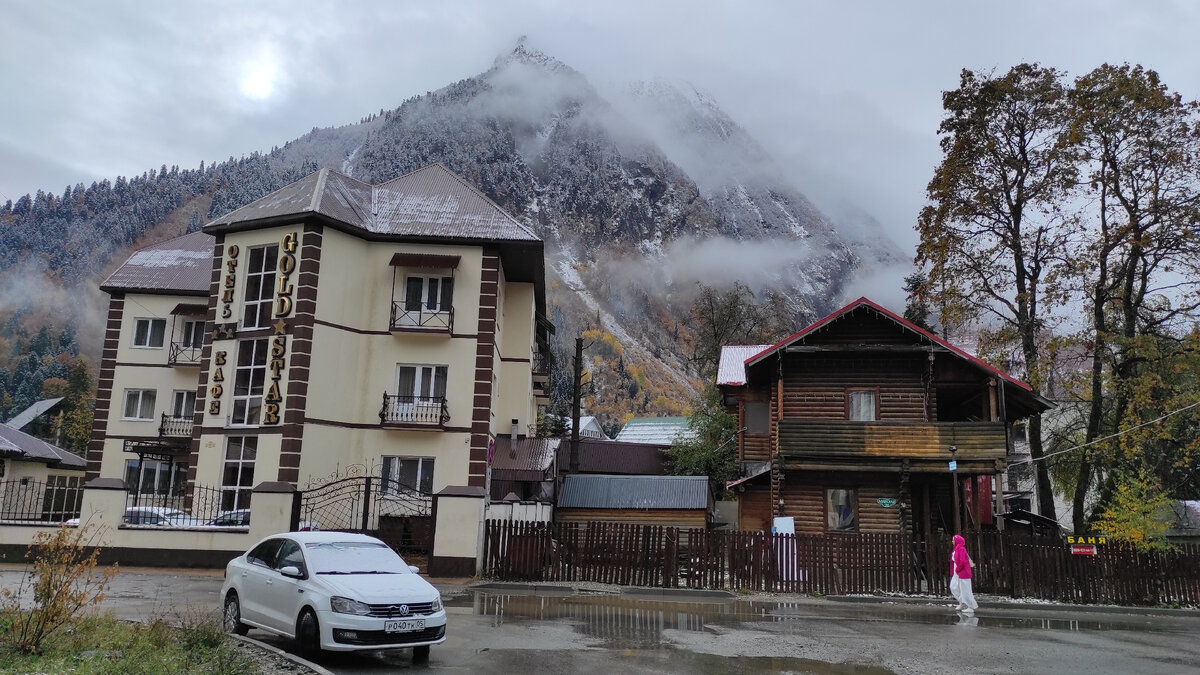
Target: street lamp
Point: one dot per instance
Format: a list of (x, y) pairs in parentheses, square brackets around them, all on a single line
[(954, 487)]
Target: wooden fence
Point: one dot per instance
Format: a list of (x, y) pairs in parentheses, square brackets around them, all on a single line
[(832, 564)]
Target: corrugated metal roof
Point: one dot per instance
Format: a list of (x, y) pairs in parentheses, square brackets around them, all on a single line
[(181, 265), (17, 444), (32, 412), (659, 430), (605, 456), (530, 454), (429, 202), (732, 367), (634, 492)]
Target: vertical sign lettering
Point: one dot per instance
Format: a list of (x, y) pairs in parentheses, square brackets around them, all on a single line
[(287, 265), (231, 252), (218, 386)]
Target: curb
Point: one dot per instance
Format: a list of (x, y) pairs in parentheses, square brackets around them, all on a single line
[(1000, 604), (678, 593), (568, 589), (279, 652)]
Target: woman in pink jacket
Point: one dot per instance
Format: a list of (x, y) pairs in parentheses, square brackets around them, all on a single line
[(960, 568)]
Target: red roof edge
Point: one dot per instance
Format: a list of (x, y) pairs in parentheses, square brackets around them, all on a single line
[(894, 317)]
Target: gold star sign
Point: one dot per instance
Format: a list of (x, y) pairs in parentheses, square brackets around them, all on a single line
[(280, 327)]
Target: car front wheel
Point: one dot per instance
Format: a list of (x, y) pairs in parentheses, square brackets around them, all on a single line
[(233, 616), (308, 634)]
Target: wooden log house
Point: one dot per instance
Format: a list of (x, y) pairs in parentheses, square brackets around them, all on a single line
[(851, 423)]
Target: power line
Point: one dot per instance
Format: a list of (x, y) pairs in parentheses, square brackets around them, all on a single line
[(1110, 436)]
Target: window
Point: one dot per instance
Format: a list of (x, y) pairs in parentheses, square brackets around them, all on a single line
[(248, 382), (840, 510), (265, 553), (757, 415), (290, 554), (184, 404), (428, 293), (192, 334), (423, 383), (413, 472), (237, 479), (157, 477), (149, 333), (860, 405), (260, 286), (139, 404)]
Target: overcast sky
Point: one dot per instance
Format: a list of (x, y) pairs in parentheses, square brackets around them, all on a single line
[(847, 95)]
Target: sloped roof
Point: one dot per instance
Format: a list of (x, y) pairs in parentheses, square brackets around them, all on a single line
[(634, 492), (32, 412), (1184, 518), (530, 459), (731, 369), (429, 202), (182, 266), (16, 444), (657, 430), (610, 456)]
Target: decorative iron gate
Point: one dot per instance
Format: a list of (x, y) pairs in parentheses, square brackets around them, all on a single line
[(396, 513)]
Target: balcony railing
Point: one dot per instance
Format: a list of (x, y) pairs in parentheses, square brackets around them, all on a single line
[(541, 364), (894, 440), (184, 355), (421, 318), (421, 410), (175, 426)]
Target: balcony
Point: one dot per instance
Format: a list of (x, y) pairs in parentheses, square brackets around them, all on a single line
[(420, 319), (417, 411), (977, 442), (541, 367), (175, 426), (186, 356)]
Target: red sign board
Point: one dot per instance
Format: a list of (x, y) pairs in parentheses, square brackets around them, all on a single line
[(1083, 549)]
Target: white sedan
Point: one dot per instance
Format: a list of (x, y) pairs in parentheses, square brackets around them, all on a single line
[(333, 591)]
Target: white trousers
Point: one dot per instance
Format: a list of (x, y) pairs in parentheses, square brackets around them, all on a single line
[(965, 596)]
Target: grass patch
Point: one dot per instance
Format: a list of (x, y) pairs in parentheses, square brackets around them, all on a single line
[(103, 644)]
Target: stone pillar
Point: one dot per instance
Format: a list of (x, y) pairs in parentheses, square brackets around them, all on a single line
[(271, 509), (103, 503), (458, 518)]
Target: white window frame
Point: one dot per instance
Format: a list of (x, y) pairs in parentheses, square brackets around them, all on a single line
[(146, 340), (391, 472), (141, 404), (191, 335), (249, 399), (425, 380), (262, 303), (436, 303), (236, 495), (184, 397)]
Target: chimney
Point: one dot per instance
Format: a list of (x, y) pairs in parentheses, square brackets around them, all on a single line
[(512, 439)]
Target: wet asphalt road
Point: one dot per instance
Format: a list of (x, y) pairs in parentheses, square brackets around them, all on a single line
[(558, 632)]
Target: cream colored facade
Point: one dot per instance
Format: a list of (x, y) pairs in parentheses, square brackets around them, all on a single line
[(333, 352)]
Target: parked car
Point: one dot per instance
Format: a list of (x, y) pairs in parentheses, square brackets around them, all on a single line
[(162, 516), (241, 518), (333, 591)]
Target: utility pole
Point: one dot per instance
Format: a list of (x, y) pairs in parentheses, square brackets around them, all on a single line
[(954, 489), (576, 395)]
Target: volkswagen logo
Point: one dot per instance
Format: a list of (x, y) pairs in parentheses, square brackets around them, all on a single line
[(403, 610)]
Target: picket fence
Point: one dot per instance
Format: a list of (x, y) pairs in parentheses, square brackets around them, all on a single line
[(830, 564)]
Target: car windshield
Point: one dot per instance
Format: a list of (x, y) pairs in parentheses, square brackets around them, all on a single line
[(353, 557)]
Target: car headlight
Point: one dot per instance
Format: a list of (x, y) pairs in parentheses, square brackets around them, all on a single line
[(347, 606), (436, 606)]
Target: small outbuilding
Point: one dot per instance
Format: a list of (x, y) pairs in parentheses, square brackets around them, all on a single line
[(674, 501)]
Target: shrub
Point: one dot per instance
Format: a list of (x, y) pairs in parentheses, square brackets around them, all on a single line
[(63, 581)]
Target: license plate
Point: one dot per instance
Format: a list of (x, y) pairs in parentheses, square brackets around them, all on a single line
[(403, 625)]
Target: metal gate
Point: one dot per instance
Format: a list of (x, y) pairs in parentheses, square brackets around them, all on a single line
[(392, 511)]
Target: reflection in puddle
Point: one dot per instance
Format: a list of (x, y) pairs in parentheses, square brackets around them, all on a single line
[(635, 621)]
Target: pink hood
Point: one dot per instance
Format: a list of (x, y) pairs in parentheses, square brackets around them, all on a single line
[(961, 561)]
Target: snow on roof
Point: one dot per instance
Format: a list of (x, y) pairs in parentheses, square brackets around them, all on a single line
[(19, 445), (657, 430), (32, 412), (429, 202), (598, 491), (732, 367), (180, 265)]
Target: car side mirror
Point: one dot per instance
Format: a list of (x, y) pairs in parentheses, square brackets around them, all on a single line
[(291, 571), (414, 569)]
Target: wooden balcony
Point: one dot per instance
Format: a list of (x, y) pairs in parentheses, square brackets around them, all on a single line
[(978, 444)]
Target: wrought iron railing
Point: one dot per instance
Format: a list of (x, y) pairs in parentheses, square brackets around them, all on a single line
[(541, 364), (414, 410), (421, 318), (175, 426), (194, 508), (56, 500), (184, 355)]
